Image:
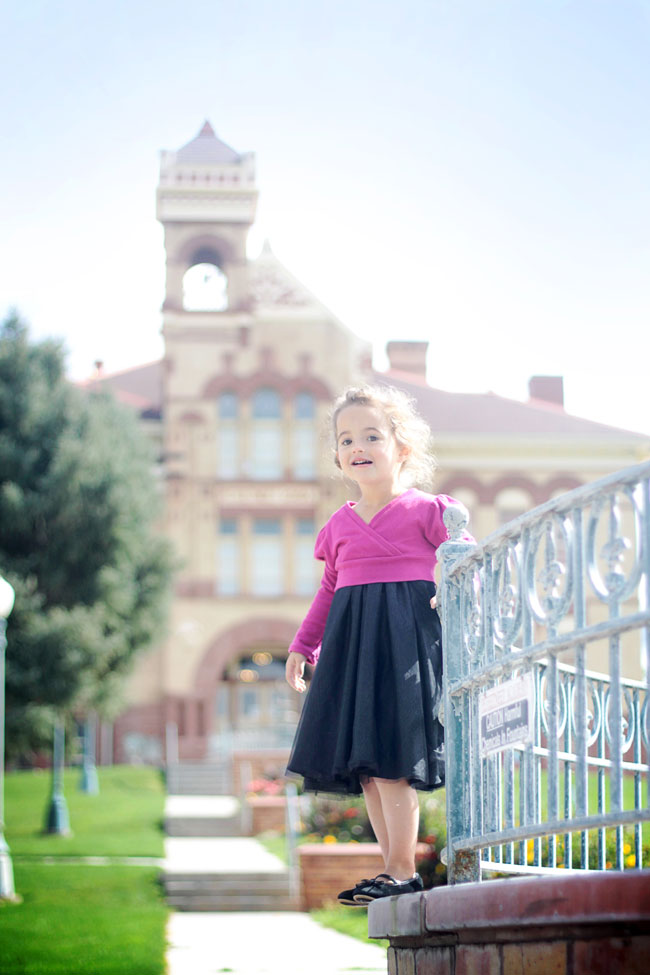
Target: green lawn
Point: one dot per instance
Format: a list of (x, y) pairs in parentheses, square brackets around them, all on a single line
[(125, 819), (75, 918), (81, 920)]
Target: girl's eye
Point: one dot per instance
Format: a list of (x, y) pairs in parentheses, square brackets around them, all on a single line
[(346, 442), (373, 436)]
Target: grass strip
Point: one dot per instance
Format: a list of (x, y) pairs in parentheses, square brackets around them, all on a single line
[(124, 819), (81, 920), (352, 921)]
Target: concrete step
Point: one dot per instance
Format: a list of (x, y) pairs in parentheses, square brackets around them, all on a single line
[(222, 874), (210, 903), (197, 816), (229, 892), (199, 778)]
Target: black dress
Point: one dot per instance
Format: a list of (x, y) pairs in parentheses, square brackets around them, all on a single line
[(373, 704)]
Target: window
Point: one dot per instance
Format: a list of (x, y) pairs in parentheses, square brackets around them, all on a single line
[(267, 404), (266, 455), (228, 558), (304, 562), (304, 407), (228, 406), (228, 438), (267, 558), (303, 437)]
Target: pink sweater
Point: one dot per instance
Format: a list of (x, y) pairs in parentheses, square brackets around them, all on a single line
[(398, 545)]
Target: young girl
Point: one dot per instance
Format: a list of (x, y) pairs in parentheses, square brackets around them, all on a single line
[(370, 722)]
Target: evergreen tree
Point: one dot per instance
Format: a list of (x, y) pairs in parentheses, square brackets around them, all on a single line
[(78, 541)]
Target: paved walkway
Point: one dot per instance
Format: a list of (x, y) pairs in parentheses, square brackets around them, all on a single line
[(265, 944), (219, 854), (255, 942)]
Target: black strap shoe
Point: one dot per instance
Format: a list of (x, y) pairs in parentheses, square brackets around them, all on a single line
[(389, 888), (347, 896)]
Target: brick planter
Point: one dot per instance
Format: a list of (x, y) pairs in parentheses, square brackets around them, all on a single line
[(327, 868), (588, 924), (257, 764), (267, 814)]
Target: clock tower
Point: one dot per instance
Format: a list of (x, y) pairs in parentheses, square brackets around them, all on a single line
[(206, 202)]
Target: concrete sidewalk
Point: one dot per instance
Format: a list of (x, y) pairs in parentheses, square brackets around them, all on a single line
[(265, 944), (252, 942)]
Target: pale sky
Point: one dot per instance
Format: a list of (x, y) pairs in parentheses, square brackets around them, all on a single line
[(471, 172)]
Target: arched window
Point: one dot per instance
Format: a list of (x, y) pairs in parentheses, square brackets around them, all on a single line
[(304, 406), (267, 404), (205, 288), (228, 436), (303, 437), (266, 461)]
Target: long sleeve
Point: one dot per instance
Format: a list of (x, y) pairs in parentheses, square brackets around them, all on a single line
[(310, 634), (308, 638)]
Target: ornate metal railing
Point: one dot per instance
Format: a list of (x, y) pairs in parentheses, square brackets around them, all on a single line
[(547, 643)]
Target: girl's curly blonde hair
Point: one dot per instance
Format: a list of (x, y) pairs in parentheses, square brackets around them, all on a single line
[(409, 428)]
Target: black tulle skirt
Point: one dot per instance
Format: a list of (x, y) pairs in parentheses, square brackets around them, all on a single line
[(373, 704)]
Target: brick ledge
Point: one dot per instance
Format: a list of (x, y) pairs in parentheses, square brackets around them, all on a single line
[(590, 898)]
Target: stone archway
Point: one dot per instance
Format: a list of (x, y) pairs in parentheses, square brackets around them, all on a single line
[(223, 695)]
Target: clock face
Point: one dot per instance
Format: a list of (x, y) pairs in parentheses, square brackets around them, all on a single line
[(205, 288)]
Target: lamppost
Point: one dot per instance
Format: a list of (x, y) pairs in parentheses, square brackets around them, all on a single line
[(89, 782), (7, 889), (58, 820)]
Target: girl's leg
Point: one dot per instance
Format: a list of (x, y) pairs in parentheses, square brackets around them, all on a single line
[(401, 815), (376, 816)]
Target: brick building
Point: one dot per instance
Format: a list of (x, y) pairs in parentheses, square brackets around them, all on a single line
[(237, 408)]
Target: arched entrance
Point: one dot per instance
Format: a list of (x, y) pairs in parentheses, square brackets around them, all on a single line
[(241, 679)]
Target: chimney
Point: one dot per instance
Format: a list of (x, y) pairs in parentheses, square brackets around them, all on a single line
[(548, 389), (408, 357)]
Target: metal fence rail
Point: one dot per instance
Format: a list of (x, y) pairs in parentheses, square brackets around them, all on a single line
[(545, 625)]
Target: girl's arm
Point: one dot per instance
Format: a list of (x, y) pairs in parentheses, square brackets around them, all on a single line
[(308, 639)]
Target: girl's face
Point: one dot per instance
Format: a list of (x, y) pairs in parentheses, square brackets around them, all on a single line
[(366, 447)]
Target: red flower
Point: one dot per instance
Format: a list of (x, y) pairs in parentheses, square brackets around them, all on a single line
[(351, 813)]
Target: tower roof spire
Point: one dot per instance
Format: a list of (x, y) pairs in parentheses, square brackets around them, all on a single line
[(206, 147)]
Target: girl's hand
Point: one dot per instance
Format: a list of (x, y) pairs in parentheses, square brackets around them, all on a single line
[(433, 602), (294, 671)]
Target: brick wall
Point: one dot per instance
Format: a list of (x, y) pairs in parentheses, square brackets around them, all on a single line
[(592, 924), (327, 869), (267, 814)]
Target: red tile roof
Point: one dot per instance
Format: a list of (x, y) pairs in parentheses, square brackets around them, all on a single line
[(446, 412), (492, 414)]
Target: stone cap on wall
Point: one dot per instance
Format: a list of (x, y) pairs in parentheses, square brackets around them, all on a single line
[(574, 899)]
